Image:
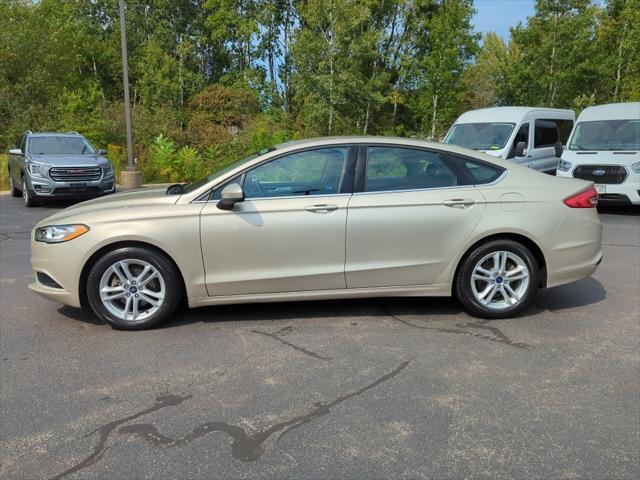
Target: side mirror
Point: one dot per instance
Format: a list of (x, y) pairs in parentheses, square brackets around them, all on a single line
[(231, 194), (15, 151), (558, 147), (521, 149), (102, 152)]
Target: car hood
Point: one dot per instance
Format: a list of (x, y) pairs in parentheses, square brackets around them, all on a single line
[(68, 160), (125, 205), (602, 158)]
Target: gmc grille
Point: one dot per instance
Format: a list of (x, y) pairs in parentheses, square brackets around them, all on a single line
[(75, 174), (612, 173)]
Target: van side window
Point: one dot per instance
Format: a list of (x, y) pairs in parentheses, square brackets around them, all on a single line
[(550, 131), (521, 136)]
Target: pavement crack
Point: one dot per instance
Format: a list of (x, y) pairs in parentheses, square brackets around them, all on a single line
[(283, 331), (105, 431), (244, 447), (463, 329)]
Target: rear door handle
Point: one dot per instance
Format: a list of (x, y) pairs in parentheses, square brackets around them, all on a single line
[(458, 202), (324, 208)]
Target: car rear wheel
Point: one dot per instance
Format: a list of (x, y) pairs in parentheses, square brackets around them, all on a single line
[(27, 195), (133, 288), (497, 279), (15, 192)]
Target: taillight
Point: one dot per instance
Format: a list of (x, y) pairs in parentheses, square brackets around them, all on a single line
[(585, 199)]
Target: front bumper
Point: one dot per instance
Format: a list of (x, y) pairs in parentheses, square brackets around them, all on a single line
[(48, 188), (626, 193), (53, 261)]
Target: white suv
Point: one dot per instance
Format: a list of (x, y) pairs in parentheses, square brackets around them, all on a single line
[(605, 148)]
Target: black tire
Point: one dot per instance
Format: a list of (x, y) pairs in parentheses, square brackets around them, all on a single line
[(165, 267), (15, 192), (463, 283), (28, 196)]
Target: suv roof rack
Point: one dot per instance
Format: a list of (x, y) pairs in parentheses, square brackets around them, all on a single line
[(28, 132), (74, 133)]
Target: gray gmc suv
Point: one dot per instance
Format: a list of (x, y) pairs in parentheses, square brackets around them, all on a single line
[(58, 165)]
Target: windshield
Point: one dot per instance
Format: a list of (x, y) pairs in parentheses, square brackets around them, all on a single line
[(480, 136), (606, 135), (190, 187), (58, 145)]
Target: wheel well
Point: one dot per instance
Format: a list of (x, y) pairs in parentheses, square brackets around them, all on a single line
[(114, 246), (527, 242)]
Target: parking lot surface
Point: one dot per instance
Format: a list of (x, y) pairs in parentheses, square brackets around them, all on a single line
[(382, 388)]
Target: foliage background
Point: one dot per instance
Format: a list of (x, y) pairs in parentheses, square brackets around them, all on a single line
[(213, 80)]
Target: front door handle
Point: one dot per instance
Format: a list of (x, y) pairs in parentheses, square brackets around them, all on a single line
[(458, 202), (324, 208)]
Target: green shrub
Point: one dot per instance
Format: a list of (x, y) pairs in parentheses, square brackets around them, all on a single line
[(4, 171)]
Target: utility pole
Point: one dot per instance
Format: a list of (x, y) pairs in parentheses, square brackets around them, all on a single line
[(129, 178)]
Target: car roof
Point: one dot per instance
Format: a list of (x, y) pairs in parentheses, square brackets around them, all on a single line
[(510, 114), (54, 134), (380, 140), (611, 111)]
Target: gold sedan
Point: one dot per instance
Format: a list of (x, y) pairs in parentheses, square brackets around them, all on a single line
[(324, 218)]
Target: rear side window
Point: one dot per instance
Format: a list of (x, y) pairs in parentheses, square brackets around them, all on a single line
[(390, 168), (550, 131), (478, 172)]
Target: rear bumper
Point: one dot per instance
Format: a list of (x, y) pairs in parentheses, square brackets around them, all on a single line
[(576, 247)]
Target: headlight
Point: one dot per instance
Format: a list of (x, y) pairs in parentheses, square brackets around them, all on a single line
[(107, 169), (636, 167), (60, 233), (564, 166), (38, 169)]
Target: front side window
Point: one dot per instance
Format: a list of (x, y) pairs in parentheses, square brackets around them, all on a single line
[(480, 136), (390, 169), (606, 135), (311, 172), (550, 131), (55, 145), (521, 136)]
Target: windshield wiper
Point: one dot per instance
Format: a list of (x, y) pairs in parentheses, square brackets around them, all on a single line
[(175, 189)]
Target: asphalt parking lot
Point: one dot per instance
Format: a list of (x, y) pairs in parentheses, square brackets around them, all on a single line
[(383, 388)]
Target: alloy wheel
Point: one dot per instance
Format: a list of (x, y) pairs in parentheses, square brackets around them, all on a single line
[(132, 290), (500, 280)]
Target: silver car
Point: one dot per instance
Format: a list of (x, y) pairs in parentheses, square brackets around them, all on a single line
[(325, 218), (45, 166)]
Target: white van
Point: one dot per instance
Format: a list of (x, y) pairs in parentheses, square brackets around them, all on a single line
[(529, 136), (605, 148)]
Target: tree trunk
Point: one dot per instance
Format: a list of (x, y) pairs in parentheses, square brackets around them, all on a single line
[(434, 116)]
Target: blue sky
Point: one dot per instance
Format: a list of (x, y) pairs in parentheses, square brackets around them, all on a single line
[(499, 15)]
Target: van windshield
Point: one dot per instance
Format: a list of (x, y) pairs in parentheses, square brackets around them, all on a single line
[(480, 136), (606, 135)]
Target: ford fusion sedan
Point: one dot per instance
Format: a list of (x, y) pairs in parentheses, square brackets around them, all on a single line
[(326, 218)]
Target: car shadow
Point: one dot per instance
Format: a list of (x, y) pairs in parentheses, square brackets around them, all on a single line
[(579, 294)]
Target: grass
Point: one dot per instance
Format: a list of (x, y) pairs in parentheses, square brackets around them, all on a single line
[(4, 171)]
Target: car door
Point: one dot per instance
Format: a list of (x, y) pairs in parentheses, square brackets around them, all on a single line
[(410, 217), (541, 154), (289, 232)]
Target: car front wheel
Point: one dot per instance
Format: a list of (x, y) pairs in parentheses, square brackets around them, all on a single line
[(15, 192), (27, 195), (133, 288), (497, 279)]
